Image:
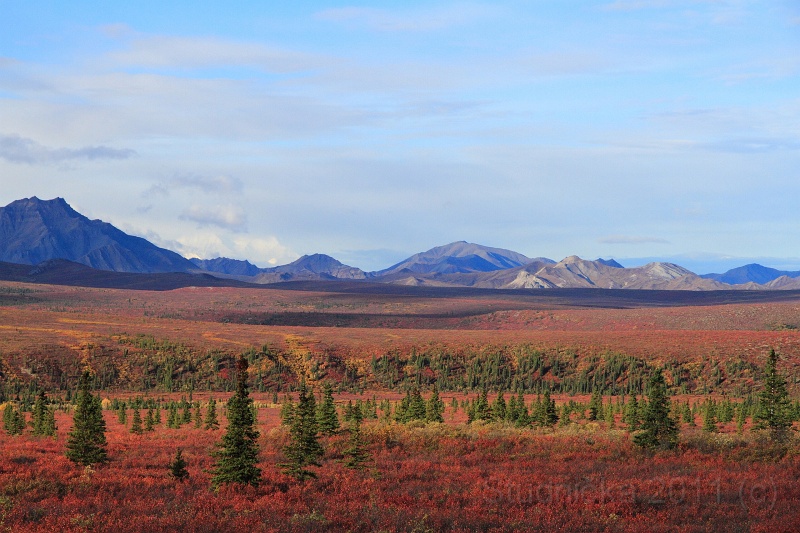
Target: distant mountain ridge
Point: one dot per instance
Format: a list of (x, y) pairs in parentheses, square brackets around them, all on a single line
[(574, 272), (38, 232), (34, 230), (458, 257), (751, 273), (310, 267), (224, 265)]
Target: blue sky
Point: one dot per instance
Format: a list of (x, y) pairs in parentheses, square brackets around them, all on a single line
[(633, 129)]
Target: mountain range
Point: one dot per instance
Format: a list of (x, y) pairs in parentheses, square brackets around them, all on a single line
[(52, 235)]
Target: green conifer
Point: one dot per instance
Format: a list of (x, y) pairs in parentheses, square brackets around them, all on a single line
[(550, 415), (658, 428), (149, 420), (631, 415), (356, 454), (327, 418), (480, 409), (416, 405), (187, 413), (86, 443), (709, 421), (177, 468), (499, 408), (43, 419), (774, 407), (237, 453), (741, 417), (434, 407), (122, 414), (13, 420), (596, 405), (687, 415), (136, 422), (304, 449), (211, 421)]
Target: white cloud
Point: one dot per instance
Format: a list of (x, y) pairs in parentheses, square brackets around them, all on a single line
[(230, 217), (201, 52), (16, 149), (262, 251), (220, 184)]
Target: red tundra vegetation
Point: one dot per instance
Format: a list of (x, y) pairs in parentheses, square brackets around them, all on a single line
[(577, 475)]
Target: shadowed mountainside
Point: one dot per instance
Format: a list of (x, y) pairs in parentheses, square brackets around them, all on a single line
[(34, 230)]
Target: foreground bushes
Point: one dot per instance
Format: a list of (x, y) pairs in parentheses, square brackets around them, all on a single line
[(434, 477)]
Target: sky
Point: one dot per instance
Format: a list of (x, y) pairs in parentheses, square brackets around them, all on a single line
[(633, 129)]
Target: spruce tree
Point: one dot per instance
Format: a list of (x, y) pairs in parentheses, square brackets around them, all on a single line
[(480, 409), (304, 450), (658, 428), (434, 407), (512, 411), (741, 417), (86, 444), (596, 405), (173, 418), (211, 421), (149, 420), (416, 405), (198, 417), (287, 411), (177, 468), (13, 420), (774, 409), (122, 414), (401, 414), (709, 421), (523, 416), (327, 418), (550, 414), (499, 408), (564, 419), (631, 414), (237, 454), (687, 415), (609, 415), (136, 422), (356, 454), (187, 413), (44, 423)]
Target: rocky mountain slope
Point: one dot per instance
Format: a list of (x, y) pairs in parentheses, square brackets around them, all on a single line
[(310, 267), (34, 230), (456, 258)]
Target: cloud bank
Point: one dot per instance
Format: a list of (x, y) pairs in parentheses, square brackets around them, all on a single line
[(16, 149)]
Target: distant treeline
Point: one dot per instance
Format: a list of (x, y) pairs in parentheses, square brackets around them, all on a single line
[(142, 363)]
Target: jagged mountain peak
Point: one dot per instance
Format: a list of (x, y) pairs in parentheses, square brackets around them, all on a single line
[(34, 230)]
